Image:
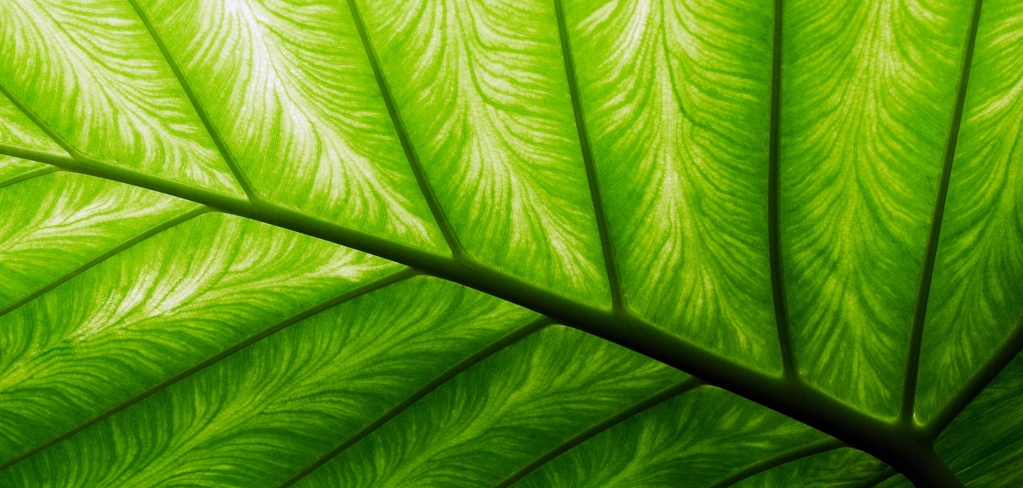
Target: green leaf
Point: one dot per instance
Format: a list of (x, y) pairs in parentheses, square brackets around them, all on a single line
[(978, 284), (120, 101), (496, 417), (511, 243), (666, 90), (838, 467), (984, 445), (862, 142), (482, 91), (700, 436)]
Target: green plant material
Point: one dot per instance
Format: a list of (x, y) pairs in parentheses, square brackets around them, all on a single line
[(839, 467), (511, 243), (696, 438), (985, 443)]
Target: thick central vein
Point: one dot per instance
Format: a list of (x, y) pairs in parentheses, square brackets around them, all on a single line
[(885, 440)]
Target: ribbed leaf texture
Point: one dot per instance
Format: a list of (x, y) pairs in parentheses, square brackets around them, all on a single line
[(486, 243)]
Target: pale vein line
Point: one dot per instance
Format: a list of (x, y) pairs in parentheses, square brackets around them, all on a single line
[(200, 110), (775, 461), (606, 243), (182, 218), (309, 312), (633, 410), (920, 313), (505, 341), (28, 175), (781, 314), (406, 142)]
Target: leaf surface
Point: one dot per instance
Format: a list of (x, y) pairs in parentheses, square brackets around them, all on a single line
[(977, 296), (676, 97), (495, 243), (868, 94), (116, 98), (482, 90)]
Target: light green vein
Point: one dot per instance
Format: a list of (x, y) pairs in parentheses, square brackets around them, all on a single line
[(406, 143), (184, 217), (633, 410), (775, 461), (607, 245), (919, 315), (211, 129), (279, 326), (503, 342), (28, 175), (781, 312)]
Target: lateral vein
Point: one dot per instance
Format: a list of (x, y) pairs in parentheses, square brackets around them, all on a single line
[(28, 175), (779, 460), (200, 110), (999, 359), (930, 255), (152, 231), (406, 142), (781, 313), (606, 243), (508, 339), (635, 409), (279, 326)]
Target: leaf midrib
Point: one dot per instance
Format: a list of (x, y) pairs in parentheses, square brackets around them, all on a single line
[(790, 398)]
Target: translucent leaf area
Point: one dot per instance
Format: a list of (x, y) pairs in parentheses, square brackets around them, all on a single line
[(493, 243)]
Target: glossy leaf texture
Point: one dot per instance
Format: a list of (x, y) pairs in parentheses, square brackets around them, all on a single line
[(491, 243)]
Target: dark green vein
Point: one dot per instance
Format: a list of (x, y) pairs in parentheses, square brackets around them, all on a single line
[(1000, 358), (184, 217), (885, 441), (406, 142), (778, 460), (503, 342), (927, 272), (781, 312), (606, 244), (28, 175), (633, 410), (39, 122), (211, 129), (877, 480), (279, 326)]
